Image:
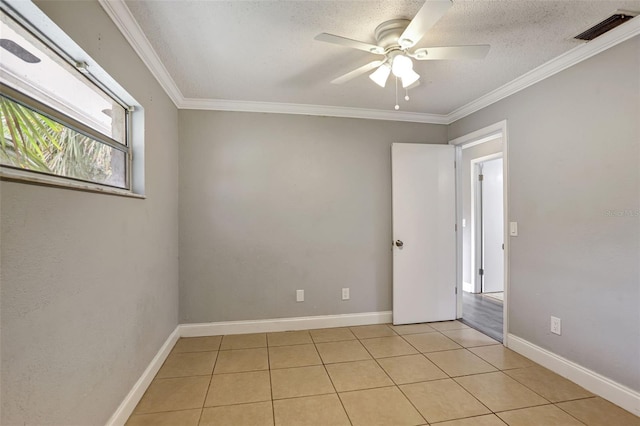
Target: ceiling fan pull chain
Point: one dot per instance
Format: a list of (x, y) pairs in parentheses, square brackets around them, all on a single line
[(397, 107), (406, 95)]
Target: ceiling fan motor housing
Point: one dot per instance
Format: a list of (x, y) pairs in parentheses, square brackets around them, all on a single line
[(388, 34)]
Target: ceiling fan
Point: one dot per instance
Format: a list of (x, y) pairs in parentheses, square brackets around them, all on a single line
[(395, 39)]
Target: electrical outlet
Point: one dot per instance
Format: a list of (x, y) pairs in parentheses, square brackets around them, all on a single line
[(299, 295), (345, 293), (556, 326)]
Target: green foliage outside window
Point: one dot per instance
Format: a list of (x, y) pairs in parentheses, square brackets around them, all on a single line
[(32, 141)]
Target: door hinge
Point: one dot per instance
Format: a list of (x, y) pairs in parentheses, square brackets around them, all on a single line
[(455, 227), (480, 271), (481, 177), (456, 290)]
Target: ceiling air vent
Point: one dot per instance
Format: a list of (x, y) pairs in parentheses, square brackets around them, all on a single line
[(608, 24)]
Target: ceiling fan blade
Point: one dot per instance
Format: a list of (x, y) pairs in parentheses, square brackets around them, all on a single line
[(427, 16), (347, 42), (357, 72), (451, 52)]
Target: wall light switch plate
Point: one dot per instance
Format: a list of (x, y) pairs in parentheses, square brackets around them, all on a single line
[(556, 326), (345, 293), (299, 295), (513, 229)]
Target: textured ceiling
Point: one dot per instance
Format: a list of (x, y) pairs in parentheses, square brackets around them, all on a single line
[(265, 51)]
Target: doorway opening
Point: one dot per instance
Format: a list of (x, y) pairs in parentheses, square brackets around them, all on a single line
[(481, 164), (482, 251)]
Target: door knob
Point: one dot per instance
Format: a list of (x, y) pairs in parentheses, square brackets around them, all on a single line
[(399, 243)]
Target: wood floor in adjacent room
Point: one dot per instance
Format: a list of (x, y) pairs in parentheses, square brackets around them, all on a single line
[(484, 313), (438, 373)]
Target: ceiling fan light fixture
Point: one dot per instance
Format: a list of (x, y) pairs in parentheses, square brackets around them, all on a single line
[(380, 75), (400, 65), (409, 77)]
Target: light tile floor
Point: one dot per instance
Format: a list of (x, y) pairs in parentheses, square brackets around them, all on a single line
[(438, 373)]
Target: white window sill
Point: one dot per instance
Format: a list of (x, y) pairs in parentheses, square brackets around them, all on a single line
[(24, 176)]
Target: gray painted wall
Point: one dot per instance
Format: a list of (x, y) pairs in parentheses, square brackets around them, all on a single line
[(273, 203), (574, 157), (89, 282)]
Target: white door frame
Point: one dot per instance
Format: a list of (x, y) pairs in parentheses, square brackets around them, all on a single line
[(485, 134)]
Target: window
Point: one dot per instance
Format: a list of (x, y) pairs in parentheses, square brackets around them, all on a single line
[(56, 118)]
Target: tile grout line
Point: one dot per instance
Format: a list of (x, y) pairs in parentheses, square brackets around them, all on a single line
[(470, 374), (333, 384), (273, 408), (469, 417), (454, 380), (488, 408), (540, 395), (206, 394), (474, 397), (237, 372), (565, 411), (424, 355), (450, 377), (393, 381), (520, 383), (236, 404), (445, 373), (544, 405), (489, 362)]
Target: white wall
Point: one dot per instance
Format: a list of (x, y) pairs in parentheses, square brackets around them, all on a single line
[(468, 154), (492, 226), (89, 281), (574, 157), (273, 203)]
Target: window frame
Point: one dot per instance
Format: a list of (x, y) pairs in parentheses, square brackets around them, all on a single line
[(131, 108)]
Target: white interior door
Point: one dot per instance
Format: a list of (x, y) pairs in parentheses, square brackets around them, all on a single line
[(424, 280), (493, 226)]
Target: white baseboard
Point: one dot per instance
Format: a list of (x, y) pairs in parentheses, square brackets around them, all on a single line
[(120, 417), (620, 395), (283, 324), (468, 287)]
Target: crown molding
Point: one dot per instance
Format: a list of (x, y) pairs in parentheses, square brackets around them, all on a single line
[(572, 57), (126, 23), (128, 26), (306, 109)]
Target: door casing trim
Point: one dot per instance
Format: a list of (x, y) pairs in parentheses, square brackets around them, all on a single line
[(485, 134)]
